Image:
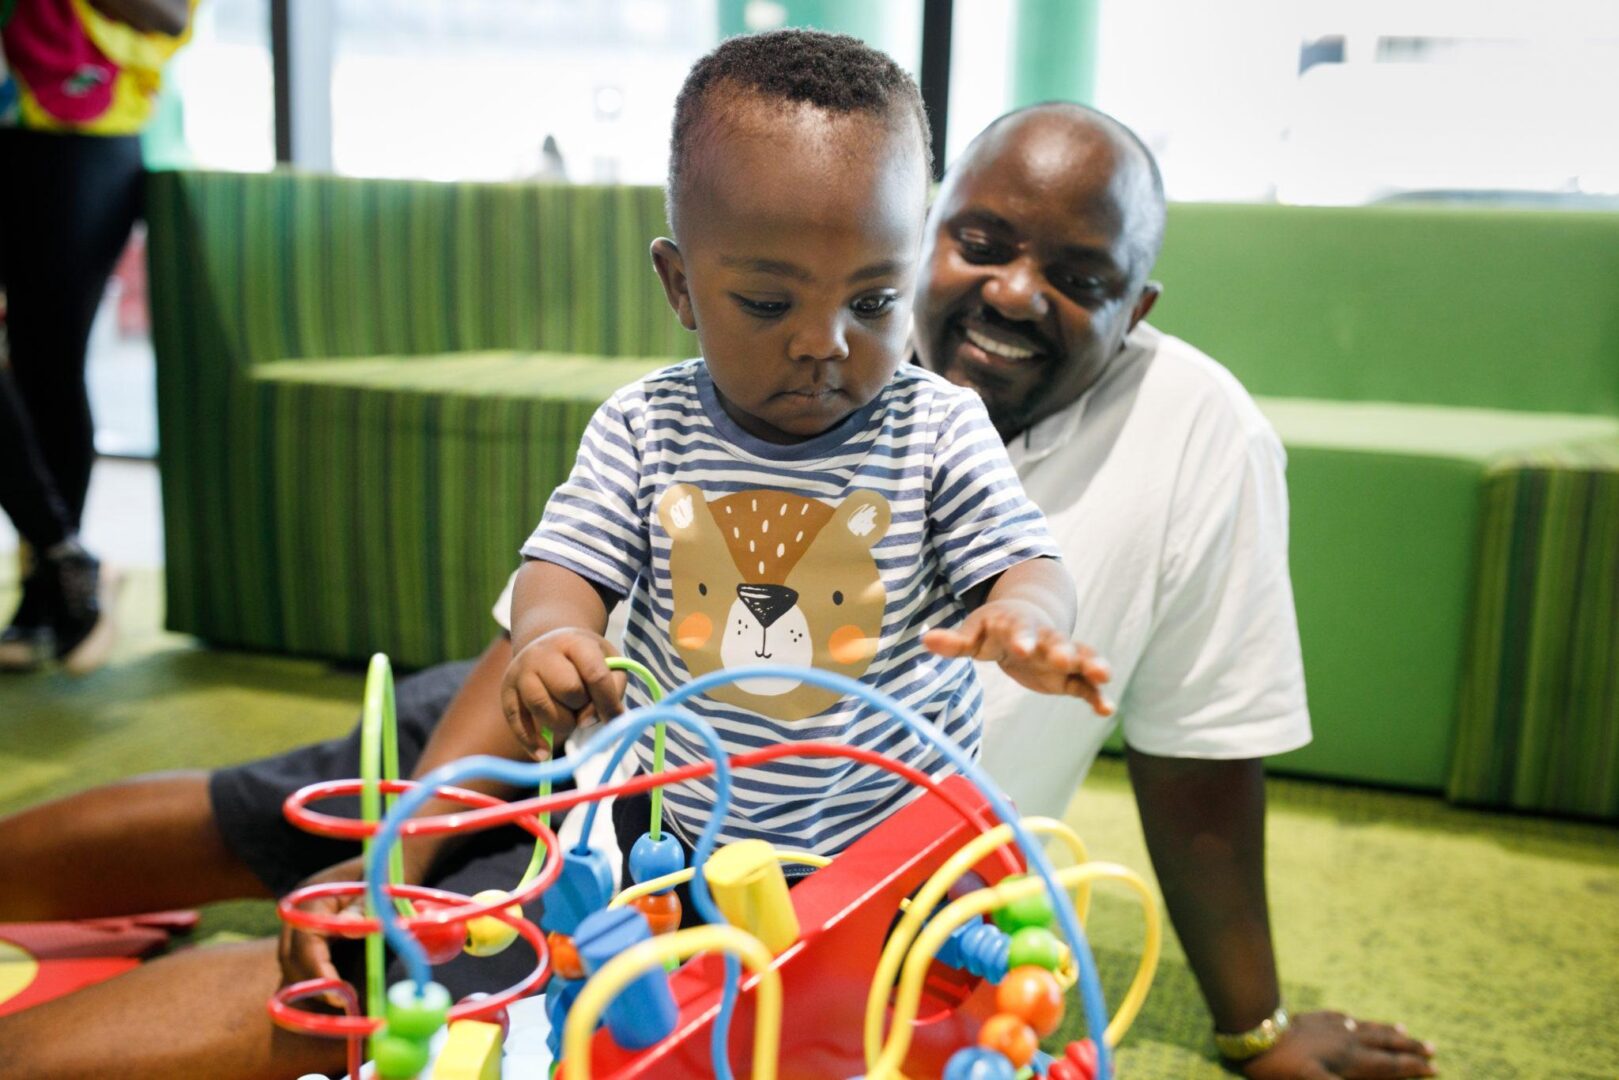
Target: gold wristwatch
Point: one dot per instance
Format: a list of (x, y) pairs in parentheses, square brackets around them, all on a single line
[(1254, 1041)]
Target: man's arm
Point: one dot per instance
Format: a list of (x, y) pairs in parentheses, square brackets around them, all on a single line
[(1204, 823)]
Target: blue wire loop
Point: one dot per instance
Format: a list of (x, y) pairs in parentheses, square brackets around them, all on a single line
[(621, 735)]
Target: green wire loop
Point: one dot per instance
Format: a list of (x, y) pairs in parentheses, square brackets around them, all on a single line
[(655, 689), (379, 761)]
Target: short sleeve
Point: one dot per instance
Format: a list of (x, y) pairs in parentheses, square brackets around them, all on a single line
[(1222, 676), (982, 522), (593, 523)]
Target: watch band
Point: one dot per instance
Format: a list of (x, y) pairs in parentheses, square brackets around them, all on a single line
[(1256, 1040)]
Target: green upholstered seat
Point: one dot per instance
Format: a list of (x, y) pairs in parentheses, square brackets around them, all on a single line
[(1386, 517)]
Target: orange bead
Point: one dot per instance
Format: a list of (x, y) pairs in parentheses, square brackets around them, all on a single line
[(662, 911), (1033, 994), (1010, 1036), (564, 957)]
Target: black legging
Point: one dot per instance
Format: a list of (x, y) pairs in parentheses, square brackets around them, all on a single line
[(67, 203)]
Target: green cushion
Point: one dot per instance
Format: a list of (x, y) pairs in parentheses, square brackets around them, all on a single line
[(1490, 308), (1385, 502), (401, 489), (1538, 725)]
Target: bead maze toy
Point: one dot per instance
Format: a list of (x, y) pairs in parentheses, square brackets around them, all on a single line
[(939, 944)]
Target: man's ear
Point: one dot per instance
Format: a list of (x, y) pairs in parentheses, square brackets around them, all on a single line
[(671, 268), (1150, 292)]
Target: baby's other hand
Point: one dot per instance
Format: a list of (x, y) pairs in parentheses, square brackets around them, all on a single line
[(1017, 636), (557, 682)]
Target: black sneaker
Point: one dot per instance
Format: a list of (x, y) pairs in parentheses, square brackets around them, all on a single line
[(26, 644), (83, 623)]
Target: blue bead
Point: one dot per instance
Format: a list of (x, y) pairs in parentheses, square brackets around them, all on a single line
[(585, 885), (651, 858), (644, 1012), (979, 1063)]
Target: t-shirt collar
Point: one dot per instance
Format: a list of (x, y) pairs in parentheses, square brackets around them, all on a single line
[(1043, 439)]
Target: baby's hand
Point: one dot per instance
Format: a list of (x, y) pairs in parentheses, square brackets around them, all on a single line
[(1017, 636), (557, 682)]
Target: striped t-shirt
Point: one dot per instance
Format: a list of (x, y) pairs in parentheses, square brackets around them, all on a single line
[(834, 553)]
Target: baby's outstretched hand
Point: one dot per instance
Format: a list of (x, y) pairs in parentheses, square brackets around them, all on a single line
[(557, 682), (1017, 636)]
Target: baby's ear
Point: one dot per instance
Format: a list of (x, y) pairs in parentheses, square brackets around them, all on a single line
[(683, 511), (671, 267), (864, 515)]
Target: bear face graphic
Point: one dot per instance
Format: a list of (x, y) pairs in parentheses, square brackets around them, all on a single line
[(767, 578)]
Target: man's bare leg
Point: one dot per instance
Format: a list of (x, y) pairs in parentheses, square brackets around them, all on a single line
[(146, 844), (196, 1013)]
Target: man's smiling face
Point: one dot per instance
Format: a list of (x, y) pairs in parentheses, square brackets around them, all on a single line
[(1034, 264)]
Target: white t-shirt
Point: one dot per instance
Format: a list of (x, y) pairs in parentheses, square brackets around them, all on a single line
[(1164, 486)]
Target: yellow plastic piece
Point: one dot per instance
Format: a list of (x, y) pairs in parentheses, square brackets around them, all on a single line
[(927, 899), (751, 891), (472, 1052), (628, 965), (977, 903), (680, 877), (487, 935)]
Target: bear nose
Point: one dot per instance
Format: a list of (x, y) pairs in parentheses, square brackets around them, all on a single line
[(767, 602)]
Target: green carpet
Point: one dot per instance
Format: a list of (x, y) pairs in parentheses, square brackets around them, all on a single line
[(1496, 936)]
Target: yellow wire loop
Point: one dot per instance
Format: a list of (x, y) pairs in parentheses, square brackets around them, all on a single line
[(628, 965), (680, 877), (974, 905), (927, 898)]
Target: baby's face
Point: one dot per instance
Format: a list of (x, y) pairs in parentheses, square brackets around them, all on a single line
[(800, 234)]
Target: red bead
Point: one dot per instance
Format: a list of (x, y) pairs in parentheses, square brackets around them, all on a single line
[(1082, 1055), (441, 940), (1033, 994), (662, 911), (564, 957), (1063, 1069), (1010, 1036)]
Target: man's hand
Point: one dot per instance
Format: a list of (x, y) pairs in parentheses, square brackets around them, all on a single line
[(1332, 1046), (557, 682), (1018, 636), (305, 954)]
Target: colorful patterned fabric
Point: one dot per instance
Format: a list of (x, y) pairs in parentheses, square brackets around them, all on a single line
[(68, 67), (329, 508), (1538, 727)]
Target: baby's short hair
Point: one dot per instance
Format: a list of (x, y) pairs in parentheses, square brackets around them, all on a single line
[(834, 72)]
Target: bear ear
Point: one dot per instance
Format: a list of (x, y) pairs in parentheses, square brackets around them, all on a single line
[(683, 510), (864, 514)]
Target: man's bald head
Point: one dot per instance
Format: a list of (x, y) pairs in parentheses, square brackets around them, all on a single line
[(1037, 258), (1067, 135)]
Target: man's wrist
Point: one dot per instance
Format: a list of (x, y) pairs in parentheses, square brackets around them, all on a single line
[(1244, 1045)]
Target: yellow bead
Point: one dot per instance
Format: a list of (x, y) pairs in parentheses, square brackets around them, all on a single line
[(487, 935)]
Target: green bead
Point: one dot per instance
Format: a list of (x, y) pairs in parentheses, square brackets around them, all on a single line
[(417, 1016), (1031, 910), (1034, 945), (398, 1057)]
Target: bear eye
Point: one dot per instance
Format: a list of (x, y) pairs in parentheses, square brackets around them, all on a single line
[(837, 597), (702, 590)]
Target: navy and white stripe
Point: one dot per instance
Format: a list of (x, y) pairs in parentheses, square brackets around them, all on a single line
[(958, 517)]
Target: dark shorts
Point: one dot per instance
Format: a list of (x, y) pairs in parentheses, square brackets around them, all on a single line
[(247, 801)]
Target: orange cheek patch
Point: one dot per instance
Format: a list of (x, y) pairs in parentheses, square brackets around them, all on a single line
[(849, 645), (694, 631)]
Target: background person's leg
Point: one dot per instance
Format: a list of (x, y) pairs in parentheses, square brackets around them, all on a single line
[(69, 202)]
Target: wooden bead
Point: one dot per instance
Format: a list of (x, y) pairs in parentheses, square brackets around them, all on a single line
[(662, 911), (564, 957), (1010, 1036), (1033, 994)]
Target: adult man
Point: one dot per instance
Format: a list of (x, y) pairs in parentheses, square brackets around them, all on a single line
[(1038, 256), (1164, 485)]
